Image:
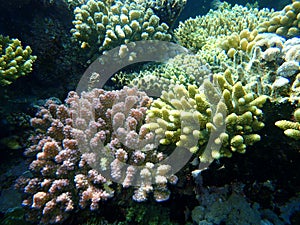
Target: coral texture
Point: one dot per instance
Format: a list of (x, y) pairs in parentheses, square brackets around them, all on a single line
[(167, 10), (102, 148), (110, 133), (185, 69), (269, 64)]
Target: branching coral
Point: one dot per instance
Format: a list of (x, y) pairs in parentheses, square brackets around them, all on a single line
[(59, 184), (110, 133), (102, 26), (268, 64), (167, 10), (104, 136), (291, 129), (243, 41), (185, 69), (82, 147), (285, 22), (14, 60), (188, 117), (193, 33)]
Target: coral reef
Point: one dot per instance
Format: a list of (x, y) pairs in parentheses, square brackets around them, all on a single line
[(268, 64), (285, 22), (243, 41), (269, 67), (229, 204), (226, 210), (93, 155), (14, 60), (115, 140)]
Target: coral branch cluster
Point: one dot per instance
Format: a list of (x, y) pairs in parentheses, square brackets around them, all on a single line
[(15, 61), (102, 26), (82, 146), (189, 116)]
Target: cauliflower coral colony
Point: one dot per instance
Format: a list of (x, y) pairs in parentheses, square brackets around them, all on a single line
[(212, 103)]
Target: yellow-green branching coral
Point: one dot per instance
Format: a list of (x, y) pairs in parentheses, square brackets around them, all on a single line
[(285, 22), (15, 61), (291, 128), (180, 116), (245, 40), (243, 118), (194, 33), (102, 26), (212, 121)]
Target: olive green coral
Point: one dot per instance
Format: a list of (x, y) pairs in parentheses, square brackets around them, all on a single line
[(102, 26), (172, 117), (15, 61), (223, 110), (194, 33), (291, 129), (285, 23), (245, 40)]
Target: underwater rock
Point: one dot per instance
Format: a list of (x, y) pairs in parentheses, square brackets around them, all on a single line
[(288, 69)]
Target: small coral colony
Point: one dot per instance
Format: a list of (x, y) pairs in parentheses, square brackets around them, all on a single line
[(105, 145)]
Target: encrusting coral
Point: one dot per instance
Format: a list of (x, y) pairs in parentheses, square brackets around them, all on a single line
[(14, 60)]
